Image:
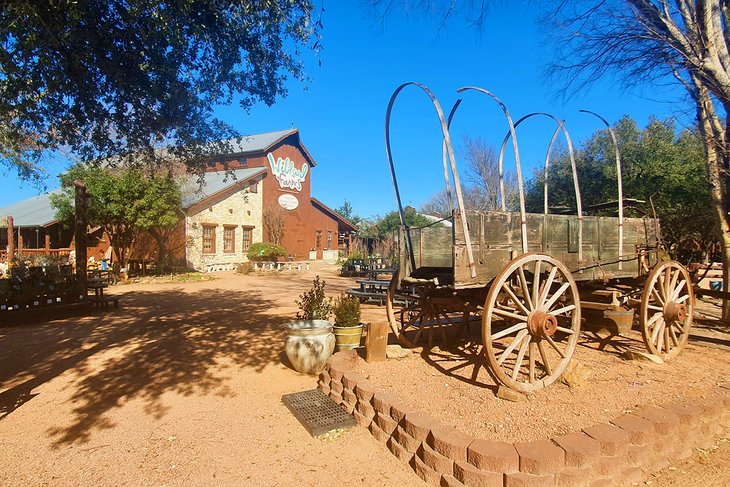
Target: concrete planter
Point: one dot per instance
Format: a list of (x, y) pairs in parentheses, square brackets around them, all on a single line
[(309, 344)]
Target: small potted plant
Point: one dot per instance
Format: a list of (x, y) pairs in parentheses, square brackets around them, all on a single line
[(348, 329), (310, 342)]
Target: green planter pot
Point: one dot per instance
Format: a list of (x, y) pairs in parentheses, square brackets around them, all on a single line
[(347, 337)]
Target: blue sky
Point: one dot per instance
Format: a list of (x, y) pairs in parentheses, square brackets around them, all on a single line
[(340, 112)]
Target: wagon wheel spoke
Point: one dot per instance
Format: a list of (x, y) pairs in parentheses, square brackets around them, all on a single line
[(510, 314), (520, 357), (557, 295), (543, 356), (563, 310), (506, 288), (536, 283), (555, 346), (676, 291), (525, 289), (546, 286), (518, 339), (655, 295), (532, 352), (515, 334), (510, 330), (667, 306), (673, 335)]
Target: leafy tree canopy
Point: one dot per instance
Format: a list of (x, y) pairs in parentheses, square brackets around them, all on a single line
[(379, 228), (117, 79), (123, 203), (657, 165)]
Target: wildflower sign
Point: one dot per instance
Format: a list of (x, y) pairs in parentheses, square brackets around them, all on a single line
[(286, 173)]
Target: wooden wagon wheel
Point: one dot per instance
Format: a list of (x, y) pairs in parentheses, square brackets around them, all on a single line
[(424, 314), (531, 322), (667, 308), (395, 325)]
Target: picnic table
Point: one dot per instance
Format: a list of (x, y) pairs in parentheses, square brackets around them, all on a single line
[(374, 290), (98, 285), (375, 273)]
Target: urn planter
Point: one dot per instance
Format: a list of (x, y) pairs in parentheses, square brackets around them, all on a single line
[(309, 343)]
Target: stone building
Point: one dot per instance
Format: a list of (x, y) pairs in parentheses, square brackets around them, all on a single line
[(266, 198)]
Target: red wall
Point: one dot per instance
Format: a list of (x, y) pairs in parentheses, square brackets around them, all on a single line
[(302, 223)]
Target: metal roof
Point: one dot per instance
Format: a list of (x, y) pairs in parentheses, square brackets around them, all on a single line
[(258, 142), (33, 212), (215, 182), (38, 211)]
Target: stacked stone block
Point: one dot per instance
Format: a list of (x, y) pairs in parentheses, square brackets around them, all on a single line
[(618, 453)]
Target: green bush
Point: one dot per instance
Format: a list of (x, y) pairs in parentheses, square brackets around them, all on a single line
[(314, 304), (347, 311), (263, 251)]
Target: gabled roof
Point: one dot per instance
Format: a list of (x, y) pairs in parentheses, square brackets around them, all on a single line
[(33, 212), (215, 183), (342, 222), (258, 143)]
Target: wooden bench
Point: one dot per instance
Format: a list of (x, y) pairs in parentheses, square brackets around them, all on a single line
[(373, 285), (104, 300)]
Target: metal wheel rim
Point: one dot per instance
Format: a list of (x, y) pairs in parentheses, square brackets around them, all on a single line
[(395, 326), (563, 302), (663, 333)]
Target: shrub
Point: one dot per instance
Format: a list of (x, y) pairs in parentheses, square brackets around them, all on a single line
[(244, 268), (262, 251), (314, 304), (347, 311)]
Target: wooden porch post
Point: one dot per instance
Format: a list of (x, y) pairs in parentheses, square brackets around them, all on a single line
[(48, 244), (11, 239)]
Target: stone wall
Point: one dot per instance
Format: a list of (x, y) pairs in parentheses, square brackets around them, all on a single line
[(240, 208), (618, 453)]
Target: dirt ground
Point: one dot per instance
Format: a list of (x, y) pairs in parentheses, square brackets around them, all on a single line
[(182, 386)]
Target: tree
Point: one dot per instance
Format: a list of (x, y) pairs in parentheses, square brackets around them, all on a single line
[(114, 80), (657, 166), (345, 210), (273, 220), (480, 187), (124, 203), (685, 42), (384, 227)]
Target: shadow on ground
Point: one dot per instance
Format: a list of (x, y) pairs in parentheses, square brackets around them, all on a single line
[(158, 342)]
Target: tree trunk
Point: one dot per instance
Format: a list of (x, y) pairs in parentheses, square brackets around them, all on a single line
[(161, 249), (81, 204), (717, 157)]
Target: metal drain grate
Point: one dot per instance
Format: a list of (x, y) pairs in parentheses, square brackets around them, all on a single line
[(317, 411)]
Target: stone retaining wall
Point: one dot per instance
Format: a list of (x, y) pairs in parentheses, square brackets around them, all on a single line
[(618, 453)]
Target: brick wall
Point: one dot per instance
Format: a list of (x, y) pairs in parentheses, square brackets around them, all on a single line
[(617, 453)]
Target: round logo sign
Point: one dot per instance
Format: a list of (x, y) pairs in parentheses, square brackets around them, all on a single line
[(288, 201)]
